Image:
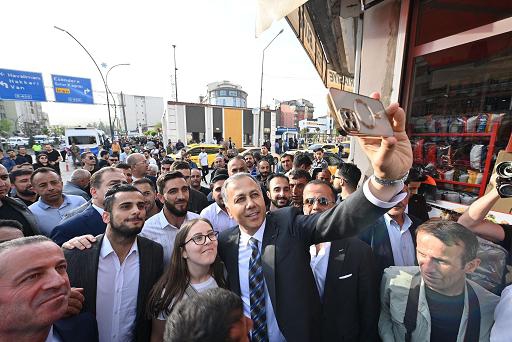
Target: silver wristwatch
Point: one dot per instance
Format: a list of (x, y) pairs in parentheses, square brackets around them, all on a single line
[(390, 182)]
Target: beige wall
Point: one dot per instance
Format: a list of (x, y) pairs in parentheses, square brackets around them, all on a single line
[(380, 65)]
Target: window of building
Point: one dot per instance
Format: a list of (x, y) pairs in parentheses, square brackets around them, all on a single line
[(233, 93), (222, 93)]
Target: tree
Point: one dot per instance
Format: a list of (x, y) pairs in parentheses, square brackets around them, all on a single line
[(5, 127)]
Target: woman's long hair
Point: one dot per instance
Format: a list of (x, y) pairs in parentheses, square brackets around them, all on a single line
[(171, 286)]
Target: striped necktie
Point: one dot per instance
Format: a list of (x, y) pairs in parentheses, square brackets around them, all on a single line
[(257, 294)]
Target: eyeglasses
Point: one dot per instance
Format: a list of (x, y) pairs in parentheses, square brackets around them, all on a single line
[(201, 239), (91, 157), (321, 200)]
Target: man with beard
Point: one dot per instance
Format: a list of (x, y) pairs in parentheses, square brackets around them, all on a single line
[(195, 182), (278, 191), (119, 270), (52, 203), (345, 179), (88, 219), (216, 212), (345, 276), (264, 172), (249, 161), (173, 191), (20, 180), (145, 186), (13, 209), (197, 201), (393, 237), (298, 179)]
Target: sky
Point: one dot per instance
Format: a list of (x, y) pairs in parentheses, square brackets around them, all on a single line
[(215, 40)]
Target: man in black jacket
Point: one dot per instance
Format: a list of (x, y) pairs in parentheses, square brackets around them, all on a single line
[(267, 257), (120, 268)]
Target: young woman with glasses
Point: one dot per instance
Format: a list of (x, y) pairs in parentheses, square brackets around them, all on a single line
[(41, 161), (194, 268)]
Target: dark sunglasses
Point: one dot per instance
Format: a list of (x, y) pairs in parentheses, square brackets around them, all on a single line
[(320, 200)]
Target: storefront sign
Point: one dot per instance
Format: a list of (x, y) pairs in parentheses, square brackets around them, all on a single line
[(335, 80)]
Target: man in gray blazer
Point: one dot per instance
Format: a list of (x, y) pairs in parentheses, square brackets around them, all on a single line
[(119, 270), (267, 255)]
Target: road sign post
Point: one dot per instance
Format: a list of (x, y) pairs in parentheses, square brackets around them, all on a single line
[(21, 85), (71, 89)]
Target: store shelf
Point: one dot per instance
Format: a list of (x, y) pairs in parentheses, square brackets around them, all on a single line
[(457, 183)]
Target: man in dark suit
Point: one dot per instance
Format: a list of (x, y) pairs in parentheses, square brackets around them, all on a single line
[(267, 257), (345, 275), (89, 220), (119, 270), (392, 237), (34, 292)]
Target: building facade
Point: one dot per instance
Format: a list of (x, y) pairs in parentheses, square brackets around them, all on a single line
[(225, 93), (197, 122), (27, 117), (292, 111), (138, 113)]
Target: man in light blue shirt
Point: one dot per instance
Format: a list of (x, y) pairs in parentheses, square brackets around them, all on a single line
[(52, 204)]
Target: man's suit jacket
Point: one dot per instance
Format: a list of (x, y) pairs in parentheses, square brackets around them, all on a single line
[(377, 237), (197, 201), (83, 272), (350, 305), (79, 328), (286, 259), (87, 222)]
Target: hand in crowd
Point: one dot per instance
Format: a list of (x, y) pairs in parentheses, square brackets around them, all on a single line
[(75, 302), (80, 242), (391, 157)]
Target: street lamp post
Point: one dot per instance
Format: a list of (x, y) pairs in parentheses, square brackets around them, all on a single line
[(108, 88), (102, 78), (175, 73), (261, 86)]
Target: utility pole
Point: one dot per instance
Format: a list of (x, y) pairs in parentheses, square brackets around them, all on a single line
[(175, 76)]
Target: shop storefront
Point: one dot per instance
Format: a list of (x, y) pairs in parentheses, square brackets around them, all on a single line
[(457, 92)]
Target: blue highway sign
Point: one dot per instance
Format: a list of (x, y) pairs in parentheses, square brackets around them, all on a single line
[(71, 89), (21, 85)]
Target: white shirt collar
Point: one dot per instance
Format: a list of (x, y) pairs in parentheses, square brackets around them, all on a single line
[(98, 209), (219, 209), (163, 220), (106, 248), (407, 221), (244, 237)]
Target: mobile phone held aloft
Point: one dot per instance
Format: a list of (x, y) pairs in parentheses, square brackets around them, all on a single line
[(358, 115)]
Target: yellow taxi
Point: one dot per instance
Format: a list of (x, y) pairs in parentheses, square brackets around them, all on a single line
[(194, 150)]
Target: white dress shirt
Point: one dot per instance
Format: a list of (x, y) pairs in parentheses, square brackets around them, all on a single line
[(244, 256), (158, 229), (98, 209), (219, 218), (116, 294), (319, 263), (52, 337), (503, 317), (401, 241)]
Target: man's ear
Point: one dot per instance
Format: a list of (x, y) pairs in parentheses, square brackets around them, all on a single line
[(106, 217), (228, 211), (94, 193), (160, 197), (472, 265)]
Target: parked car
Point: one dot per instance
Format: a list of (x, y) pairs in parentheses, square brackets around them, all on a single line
[(327, 147), (15, 142), (195, 149)]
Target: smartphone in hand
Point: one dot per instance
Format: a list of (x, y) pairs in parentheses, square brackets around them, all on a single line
[(358, 115)]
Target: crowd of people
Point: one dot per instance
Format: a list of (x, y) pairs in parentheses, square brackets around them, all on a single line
[(139, 246)]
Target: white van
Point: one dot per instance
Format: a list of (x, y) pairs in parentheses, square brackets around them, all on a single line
[(41, 139), (88, 139)]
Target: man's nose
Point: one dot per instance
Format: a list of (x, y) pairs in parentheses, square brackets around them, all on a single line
[(54, 279)]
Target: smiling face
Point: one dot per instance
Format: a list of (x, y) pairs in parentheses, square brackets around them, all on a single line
[(245, 203), (175, 196), (34, 287), (127, 215), (279, 192), (149, 195), (200, 255)]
